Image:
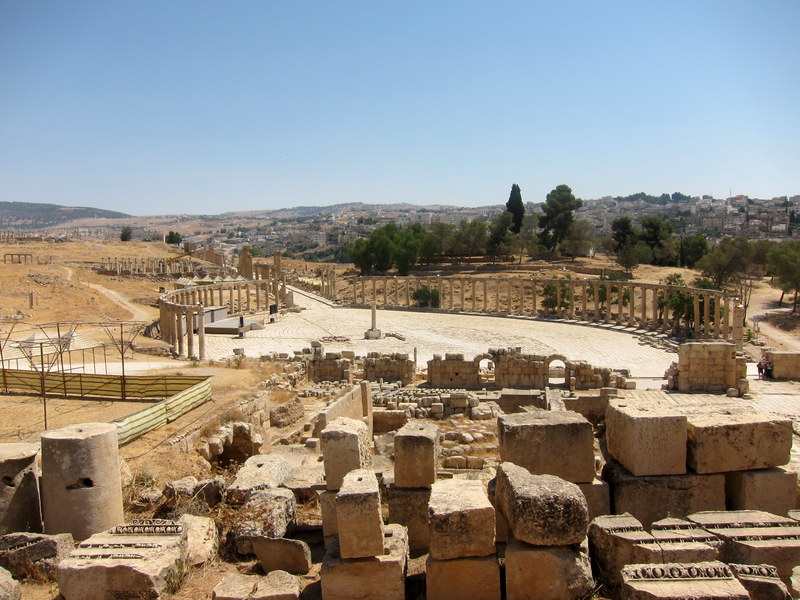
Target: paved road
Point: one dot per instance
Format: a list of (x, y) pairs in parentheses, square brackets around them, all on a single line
[(439, 333)]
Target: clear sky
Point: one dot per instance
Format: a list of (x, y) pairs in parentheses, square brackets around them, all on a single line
[(199, 106)]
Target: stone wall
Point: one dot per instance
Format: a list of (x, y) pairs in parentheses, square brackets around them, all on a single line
[(328, 366), (389, 367), (454, 372), (349, 405), (707, 366), (786, 365)]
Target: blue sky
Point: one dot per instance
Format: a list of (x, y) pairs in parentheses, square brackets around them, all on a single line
[(153, 107)]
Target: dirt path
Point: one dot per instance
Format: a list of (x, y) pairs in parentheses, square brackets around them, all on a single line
[(763, 301), (138, 313)]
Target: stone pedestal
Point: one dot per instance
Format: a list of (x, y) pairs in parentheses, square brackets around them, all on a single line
[(358, 515), (416, 449), (345, 446), (462, 520)]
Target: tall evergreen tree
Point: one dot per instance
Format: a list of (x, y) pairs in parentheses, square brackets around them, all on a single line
[(516, 208)]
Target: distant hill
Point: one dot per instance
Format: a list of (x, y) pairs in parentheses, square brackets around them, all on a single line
[(30, 215)]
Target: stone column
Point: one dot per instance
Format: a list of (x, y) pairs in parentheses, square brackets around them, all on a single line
[(190, 333), (717, 315), (706, 315), (385, 291), (201, 333), (484, 302), (230, 300), (738, 326), (571, 309), (180, 332), (175, 318), (584, 293), (258, 295), (655, 309), (696, 299), (558, 310), (474, 287), (497, 295), (607, 287), (644, 307), (632, 307), (620, 302), (81, 483), (534, 299)]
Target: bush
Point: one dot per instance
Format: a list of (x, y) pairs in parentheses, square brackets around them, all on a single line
[(425, 296)]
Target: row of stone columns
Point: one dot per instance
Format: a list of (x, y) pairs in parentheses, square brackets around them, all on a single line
[(636, 304), (155, 266), (328, 287)]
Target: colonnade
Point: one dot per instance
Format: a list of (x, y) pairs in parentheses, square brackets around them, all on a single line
[(630, 304), (155, 266)]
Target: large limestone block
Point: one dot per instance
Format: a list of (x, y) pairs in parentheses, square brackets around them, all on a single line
[(647, 438), (34, 555), (147, 558), (461, 518), (20, 508), (416, 449), (557, 443), (259, 472), (737, 440), (358, 515), (345, 446), (474, 577), (327, 506), (202, 538), (771, 490), (685, 542), (10, 588), (598, 497), (269, 513), (381, 577), (760, 581), (235, 587), (679, 581), (282, 554), (547, 572), (654, 497), (81, 482), (277, 585), (619, 540), (409, 507), (541, 509)]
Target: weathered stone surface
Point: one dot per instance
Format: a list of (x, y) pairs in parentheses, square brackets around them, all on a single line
[(409, 507), (282, 554), (327, 505), (598, 497), (653, 497), (20, 507), (771, 490), (754, 537), (358, 515), (461, 518), (685, 542), (547, 572), (416, 449), (378, 578), (760, 581), (619, 540), (235, 587), (146, 557), (287, 413), (269, 513), (34, 555), (10, 589), (474, 577), (277, 585), (557, 443), (202, 538), (541, 509), (737, 440), (345, 446), (259, 472), (794, 585), (647, 438), (676, 581)]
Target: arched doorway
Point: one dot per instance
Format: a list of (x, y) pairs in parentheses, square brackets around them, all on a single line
[(556, 371)]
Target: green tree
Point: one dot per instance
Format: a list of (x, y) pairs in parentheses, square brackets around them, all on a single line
[(624, 233), (470, 239), (407, 247), (126, 234), (361, 256), (516, 208), (439, 240), (692, 248), (555, 295), (528, 238), (784, 262), (173, 237), (731, 258), (579, 240), (501, 241), (425, 296), (558, 208), (656, 232)]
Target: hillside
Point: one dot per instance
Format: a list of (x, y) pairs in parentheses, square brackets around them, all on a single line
[(30, 215)]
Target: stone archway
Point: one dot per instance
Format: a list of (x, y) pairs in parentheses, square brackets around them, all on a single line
[(557, 380), (486, 367)]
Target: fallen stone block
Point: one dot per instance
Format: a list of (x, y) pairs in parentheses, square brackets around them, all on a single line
[(547, 572), (685, 542), (358, 515), (282, 554), (269, 513), (277, 585), (409, 507), (145, 558), (34, 555), (737, 440), (259, 472), (771, 490), (541, 509), (461, 519), (760, 581), (416, 450), (235, 587), (675, 581), (474, 577), (616, 541), (202, 538), (20, 507), (653, 497), (10, 589), (345, 446), (377, 578), (557, 443), (647, 439)]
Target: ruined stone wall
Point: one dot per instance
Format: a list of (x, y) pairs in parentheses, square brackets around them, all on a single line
[(513, 369), (349, 405), (708, 366), (453, 372), (389, 367), (786, 365), (330, 368)]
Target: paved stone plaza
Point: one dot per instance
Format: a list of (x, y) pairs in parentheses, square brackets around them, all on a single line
[(439, 333)]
